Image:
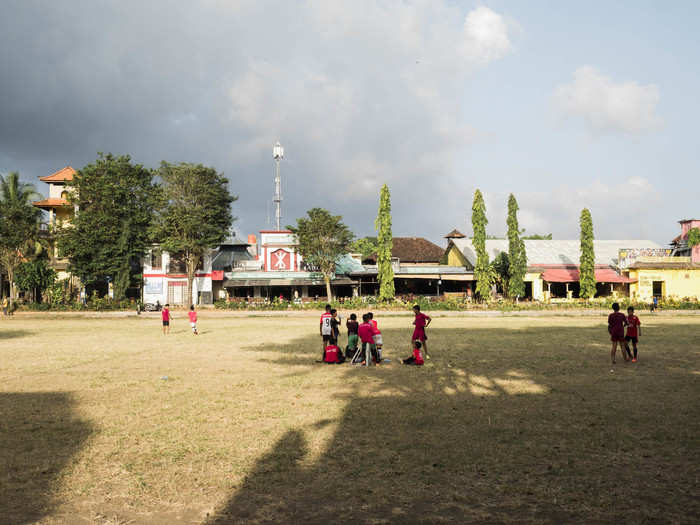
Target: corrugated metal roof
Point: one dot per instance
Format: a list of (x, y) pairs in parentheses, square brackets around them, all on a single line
[(555, 252)]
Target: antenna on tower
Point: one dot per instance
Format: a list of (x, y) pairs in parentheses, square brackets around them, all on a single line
[(278, 154)]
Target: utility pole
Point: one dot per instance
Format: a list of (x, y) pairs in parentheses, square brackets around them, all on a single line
[(278, 154)]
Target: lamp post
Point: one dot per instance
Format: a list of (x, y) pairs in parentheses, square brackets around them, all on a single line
[(278, 154)]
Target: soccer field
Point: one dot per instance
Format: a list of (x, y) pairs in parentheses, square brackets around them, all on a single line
[(514, 420)]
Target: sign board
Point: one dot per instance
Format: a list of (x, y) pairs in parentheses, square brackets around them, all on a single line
[(626, 257), (153, 285)]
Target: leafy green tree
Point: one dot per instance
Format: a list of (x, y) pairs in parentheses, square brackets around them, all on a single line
[(587, 261), (19, 225), (110, 232), (501, 271), (482, 270), (365, 245), (385, 243), (516, 252), (33, 276), (322, 239), (693, 237), (537, 237), (194, 214)]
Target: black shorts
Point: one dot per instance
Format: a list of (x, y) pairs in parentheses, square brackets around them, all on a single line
[(629, 338), (327, 337), (166, 323)]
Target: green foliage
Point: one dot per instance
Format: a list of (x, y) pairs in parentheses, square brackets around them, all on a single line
[(194, 213), (587, 261), (19, 224), (322, 239), (34, 275), (365, 246), (516, 252), (502, 271), (537, 237), (110, 232), (385, 243), (693, 237), (482, 270)]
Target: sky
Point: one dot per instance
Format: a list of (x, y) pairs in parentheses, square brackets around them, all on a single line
[(566, 105)]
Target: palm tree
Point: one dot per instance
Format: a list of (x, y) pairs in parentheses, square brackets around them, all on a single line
[(19, 222)]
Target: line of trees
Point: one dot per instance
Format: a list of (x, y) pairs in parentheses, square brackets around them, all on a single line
[(508, 269), (122, 208)]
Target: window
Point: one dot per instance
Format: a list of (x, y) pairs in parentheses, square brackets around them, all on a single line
[(156, 259)]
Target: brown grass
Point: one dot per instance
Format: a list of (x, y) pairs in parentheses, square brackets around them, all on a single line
[(514, 420)]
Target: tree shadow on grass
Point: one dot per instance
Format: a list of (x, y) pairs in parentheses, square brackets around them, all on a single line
[(523, 426), (13, 334), (39, 434)]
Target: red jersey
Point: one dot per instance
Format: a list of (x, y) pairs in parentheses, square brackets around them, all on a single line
[(418, 356), (616, 325), (421, 320), (366, 331), (165, 314), (326, 324), (331, 355), (374, 325), (632, 323), (192, 315)]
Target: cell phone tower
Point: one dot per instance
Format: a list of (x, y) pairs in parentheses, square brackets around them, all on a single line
[(278, 154)]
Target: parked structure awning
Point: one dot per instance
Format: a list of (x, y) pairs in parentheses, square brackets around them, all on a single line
[(571, 275)]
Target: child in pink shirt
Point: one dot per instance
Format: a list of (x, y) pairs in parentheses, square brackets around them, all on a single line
[(166, 317), (193, 319)]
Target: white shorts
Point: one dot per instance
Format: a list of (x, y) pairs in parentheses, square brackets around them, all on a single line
[(193, 325), (378, 339)]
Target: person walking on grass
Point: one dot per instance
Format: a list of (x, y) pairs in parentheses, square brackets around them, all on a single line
[(616, 328), (5, 304), (634, 332), (193, 319), (166, 317), (326, 329), (421, 322)]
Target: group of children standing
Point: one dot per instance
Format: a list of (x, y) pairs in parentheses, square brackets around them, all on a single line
[(369, 336), (617, 322), (166, 317)]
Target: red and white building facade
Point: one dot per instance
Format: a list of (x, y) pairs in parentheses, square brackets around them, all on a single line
[(278, 251), (165, 280)]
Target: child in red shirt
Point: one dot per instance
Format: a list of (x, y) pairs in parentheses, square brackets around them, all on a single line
[(193, 319), (166, 317), (333, 355), (377, 337), (417, 357), (421, 322), (634, 332), (366, 332), (616, 329)]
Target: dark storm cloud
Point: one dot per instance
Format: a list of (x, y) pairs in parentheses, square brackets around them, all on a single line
[(359, 95)]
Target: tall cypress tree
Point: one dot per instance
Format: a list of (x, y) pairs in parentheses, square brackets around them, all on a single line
[(587, 261), (516, 251), (385, 242), (482, 270)]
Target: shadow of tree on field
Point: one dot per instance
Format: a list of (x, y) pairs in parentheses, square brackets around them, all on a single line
[(39, 434), (500, 427), (13, 334)]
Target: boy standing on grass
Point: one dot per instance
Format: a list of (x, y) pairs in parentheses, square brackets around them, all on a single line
[(366, 333), (193, 319), (421, 322), (352, 326), (325, 329), (165, 315), (634, 332), (616, 329), (377, 337)]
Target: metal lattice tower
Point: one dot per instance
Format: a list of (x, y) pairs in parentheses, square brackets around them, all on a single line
[(278, 154)]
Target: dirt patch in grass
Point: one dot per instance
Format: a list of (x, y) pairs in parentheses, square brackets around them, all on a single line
[(515, 420)]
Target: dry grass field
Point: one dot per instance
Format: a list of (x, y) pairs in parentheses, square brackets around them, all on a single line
[(514, 420)]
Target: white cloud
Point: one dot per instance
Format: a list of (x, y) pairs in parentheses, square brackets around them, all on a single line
[(607, 106), (485, 36)]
